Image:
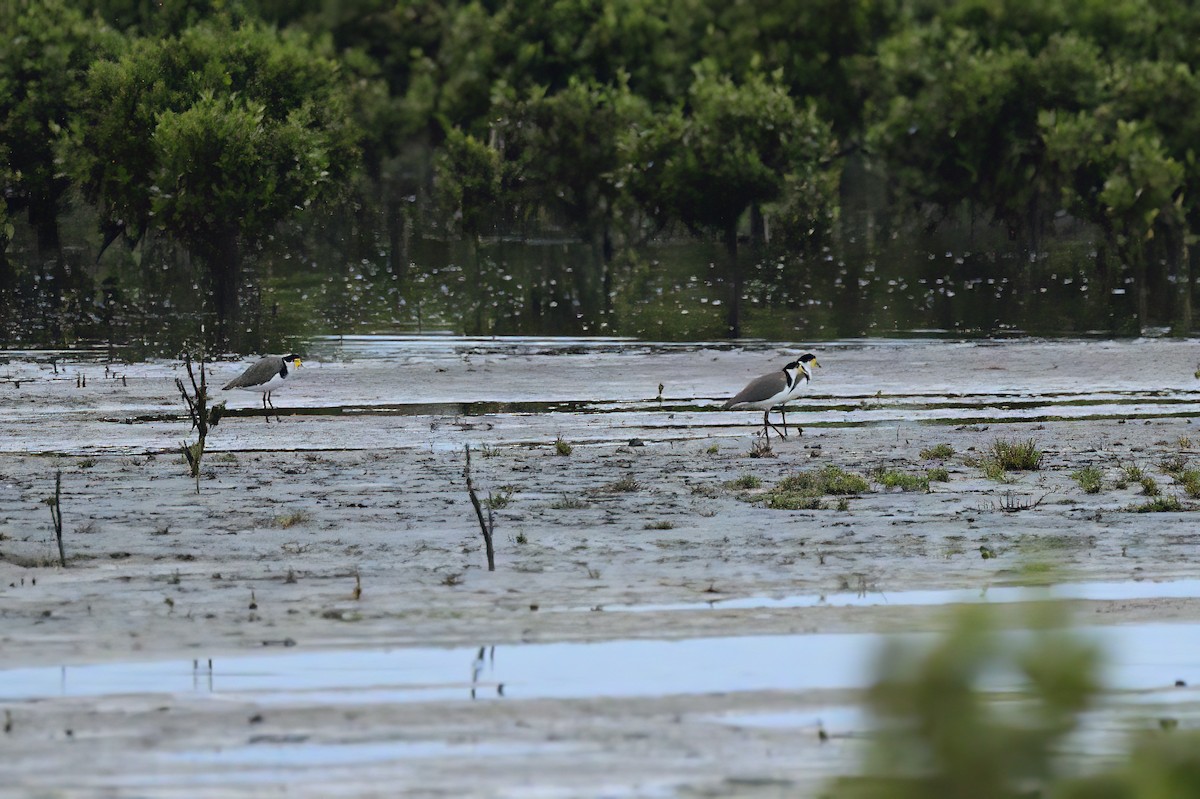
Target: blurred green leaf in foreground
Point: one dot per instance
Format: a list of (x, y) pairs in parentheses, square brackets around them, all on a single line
[(951, 726)]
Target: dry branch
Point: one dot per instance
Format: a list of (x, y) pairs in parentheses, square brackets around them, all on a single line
[(485, 525), (55, 504)]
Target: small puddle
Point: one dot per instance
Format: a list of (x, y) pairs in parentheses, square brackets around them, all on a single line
[(1095, 591), (1139, 657)]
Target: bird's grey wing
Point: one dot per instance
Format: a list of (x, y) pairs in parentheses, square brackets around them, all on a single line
[(257, 373), (759, 389)]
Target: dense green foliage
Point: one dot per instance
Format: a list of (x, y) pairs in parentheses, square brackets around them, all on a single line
[(414, 138), (990, 713)]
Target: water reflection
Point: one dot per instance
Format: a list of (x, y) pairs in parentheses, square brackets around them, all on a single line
[(484, 663), (673, 292)]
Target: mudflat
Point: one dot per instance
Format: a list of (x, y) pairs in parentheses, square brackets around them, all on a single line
[(319, 618)]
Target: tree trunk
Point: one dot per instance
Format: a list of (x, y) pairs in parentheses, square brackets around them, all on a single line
[(43, 216), (593, 293), (8, 282), (8, 277), (759, 235), (477, 289), (1139, 255), (225, 269), (733, 317), (1179, 264), (398, 235)]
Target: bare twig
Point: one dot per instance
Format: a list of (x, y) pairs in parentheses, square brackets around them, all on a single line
[(484, 525), (55, 504), (202, 416)]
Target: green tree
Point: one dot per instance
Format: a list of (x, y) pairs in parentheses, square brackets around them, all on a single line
[(822, 48), (468, 186), (651, 46), (956, 122), (213, 138), (1118, 175), (48, 47), (735, 148), (564, 157)]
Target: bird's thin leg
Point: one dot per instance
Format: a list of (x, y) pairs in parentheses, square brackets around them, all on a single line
[(767, 421), (272, 404), (266, 415), (783, 413), (783, 409)]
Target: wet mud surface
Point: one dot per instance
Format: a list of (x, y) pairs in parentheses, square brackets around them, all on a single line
[(320, 617)]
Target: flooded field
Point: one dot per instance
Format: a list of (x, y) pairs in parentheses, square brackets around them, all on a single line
[(319, 618)]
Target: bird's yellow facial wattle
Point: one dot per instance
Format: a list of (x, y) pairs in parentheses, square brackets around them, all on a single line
[(813, 362), (296, 363)]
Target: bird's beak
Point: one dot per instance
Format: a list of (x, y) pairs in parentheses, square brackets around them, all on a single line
[(814, 363), (296, 362)]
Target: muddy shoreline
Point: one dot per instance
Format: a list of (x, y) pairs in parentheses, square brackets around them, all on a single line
[(643, 512)]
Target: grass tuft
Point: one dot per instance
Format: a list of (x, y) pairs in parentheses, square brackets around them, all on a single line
[(500, 500), (1149, 486), (1190, 480), (937, 452), (803, 490), (292, 519), (761, 448), (1168, 504), (1173, 464), (994, 471), (1133, 474), (938, 474), (1016, 456), (625, 484), (826, 480), (1090, 479), (745, 482), (568, 503), (561, 447), (663, 525), (794, 500), (905, 481)]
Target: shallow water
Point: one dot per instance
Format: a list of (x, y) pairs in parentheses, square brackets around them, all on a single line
[(1098, 591), (1139, 658)]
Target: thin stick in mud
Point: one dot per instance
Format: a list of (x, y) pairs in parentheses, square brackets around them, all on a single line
[(485, 525), (56, 515)]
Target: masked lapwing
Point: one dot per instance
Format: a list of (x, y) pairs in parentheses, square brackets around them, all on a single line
[(264, 376), (774, 390)]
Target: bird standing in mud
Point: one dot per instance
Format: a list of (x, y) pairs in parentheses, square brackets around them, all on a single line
[(773, 390), (264, 376)]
